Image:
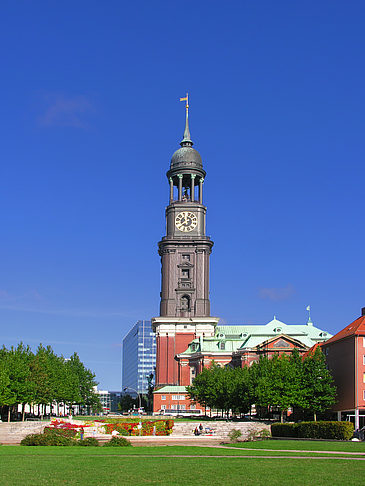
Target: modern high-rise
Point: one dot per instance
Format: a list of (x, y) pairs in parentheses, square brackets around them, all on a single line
[(138, 357)]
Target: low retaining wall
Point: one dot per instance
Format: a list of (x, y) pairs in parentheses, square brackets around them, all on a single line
[(14, 432), (220, 428)]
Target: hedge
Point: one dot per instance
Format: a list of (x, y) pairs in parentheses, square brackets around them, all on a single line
[(314, 430), (47, 440)]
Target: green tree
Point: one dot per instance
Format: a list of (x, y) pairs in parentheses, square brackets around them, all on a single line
[(278, 383), (241, 398), (127, 402), (319, 392), (202, 390), (7, 395), (44, 376), (85, 384)]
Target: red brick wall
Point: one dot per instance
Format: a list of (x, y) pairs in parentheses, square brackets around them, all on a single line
[(340, 357), (168, 347), (360, 371)]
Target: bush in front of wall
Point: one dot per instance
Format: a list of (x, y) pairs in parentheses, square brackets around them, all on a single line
[(314, 430), (117, 442), (88, 442), (46, 440)]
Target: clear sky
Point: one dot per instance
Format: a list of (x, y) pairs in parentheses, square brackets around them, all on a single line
[(90, 117)]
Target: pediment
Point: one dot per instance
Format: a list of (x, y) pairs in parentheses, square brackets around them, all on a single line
[(185, 265), (281, 342)]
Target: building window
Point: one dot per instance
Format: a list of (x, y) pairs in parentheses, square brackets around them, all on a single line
[(363, 378), (178, 397), (163, 407), (163, 397), (363, 394), (173, 407), (363, 360), (186, 258), (222, 345), (192, 407), (363, 341), (185, 302), (185, 272)]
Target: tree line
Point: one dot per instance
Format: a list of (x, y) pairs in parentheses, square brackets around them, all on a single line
[(43, 378), (277, 383)]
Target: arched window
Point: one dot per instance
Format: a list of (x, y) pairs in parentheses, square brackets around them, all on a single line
[(185, 303)]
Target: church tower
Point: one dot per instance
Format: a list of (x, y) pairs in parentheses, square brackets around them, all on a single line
[(184, 251)]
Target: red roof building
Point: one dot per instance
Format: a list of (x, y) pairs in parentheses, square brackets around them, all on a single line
[(345, 356)]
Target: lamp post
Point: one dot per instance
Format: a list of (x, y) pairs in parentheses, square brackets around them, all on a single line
[(139, 408)]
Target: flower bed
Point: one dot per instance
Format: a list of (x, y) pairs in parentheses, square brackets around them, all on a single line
[(160, 427), (149, 427)]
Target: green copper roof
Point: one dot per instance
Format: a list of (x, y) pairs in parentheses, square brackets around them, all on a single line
[(245, 337), (171, 389)]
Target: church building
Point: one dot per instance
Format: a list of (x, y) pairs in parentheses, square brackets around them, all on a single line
[(188, 338)]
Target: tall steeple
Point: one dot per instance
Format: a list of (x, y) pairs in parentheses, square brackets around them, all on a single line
[(186, 141), (185, 249)]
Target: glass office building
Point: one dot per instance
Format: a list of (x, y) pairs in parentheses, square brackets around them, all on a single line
[(138, 357)]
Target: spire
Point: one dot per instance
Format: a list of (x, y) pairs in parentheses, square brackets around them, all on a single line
[(309, 322), (186, 142)]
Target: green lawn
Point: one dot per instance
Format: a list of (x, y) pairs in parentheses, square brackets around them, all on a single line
[(304, 445), (138, 465)]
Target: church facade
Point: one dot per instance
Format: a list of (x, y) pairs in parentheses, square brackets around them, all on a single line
[(187, 337)]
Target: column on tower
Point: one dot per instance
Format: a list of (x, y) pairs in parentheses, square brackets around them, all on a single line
[(201, 180), (192, 187), (180, 176), (171, 190)]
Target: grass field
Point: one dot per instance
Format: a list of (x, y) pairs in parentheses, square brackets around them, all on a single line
[(304, 445), (170, 465)]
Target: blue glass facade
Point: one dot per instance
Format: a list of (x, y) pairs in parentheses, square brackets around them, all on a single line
[(138, 357)]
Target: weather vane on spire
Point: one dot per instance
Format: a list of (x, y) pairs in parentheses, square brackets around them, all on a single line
[(187, 101), (187, 131)]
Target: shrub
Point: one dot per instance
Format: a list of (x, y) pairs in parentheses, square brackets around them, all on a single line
[(117, 442), (88, 442), (234, 435), (264, 434), (46, 440), (283, 430), (314, 430), (326, 430), (71, 433)]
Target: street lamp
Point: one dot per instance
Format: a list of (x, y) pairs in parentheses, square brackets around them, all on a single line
[(139, 411)]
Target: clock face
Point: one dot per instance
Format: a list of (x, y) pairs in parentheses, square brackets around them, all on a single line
[(186, 221)]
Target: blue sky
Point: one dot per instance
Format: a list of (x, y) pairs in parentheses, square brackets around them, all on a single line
[(90, 118)]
